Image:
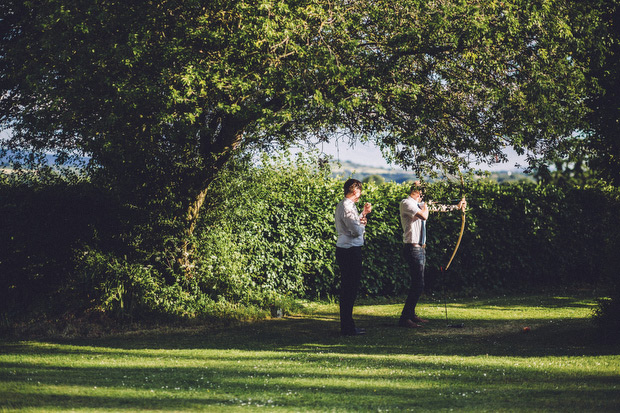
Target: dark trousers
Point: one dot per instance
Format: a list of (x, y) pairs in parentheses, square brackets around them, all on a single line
[(350, 262), (416, 259)]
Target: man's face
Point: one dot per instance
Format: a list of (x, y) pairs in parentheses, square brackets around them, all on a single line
[(355, 195), (417, 196)]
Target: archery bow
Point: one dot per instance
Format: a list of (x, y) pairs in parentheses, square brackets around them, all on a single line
[(458, 242)]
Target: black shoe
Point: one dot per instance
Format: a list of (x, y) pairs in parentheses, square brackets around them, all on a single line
[(354, 332)]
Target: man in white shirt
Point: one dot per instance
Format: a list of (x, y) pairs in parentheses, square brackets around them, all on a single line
[(413, 216), (350, 226)]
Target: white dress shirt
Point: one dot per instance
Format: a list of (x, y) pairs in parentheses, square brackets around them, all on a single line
[(413, 225), (348, 225)]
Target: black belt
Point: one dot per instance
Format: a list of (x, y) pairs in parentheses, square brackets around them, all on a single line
[(418, 245)]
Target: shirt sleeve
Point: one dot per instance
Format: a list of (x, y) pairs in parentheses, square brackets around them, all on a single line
[(409, 209), (442, 208)]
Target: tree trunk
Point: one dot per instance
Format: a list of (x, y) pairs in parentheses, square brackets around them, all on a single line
[(187, 249), (226, 148)]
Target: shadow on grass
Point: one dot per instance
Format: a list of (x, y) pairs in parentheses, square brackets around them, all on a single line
[(320, 331), (302, 363), (452, 385), (551, 302)]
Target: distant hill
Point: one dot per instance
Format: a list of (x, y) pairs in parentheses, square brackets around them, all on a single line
[(49, 160), (346, 169)]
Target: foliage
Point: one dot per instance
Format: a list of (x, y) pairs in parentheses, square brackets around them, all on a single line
[(518, 236), (566, 173), (467, 73), (526, 235), (189, 79), (44, 218), (602, 146), (607, 318), (267, 238), (592, 151), (162, 95), (273, 228)]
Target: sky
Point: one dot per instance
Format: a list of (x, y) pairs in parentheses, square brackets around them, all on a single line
[(369, 155)]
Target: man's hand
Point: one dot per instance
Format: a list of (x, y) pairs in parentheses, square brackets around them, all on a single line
[(367, 209), (462, 204)]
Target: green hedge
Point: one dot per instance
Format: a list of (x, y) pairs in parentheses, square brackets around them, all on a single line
[(518, 236), (43, 223), (267, 236)]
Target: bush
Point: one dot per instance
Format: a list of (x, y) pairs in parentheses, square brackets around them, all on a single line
[(278, 232), (43, 221), (272, 234), (267, 238)]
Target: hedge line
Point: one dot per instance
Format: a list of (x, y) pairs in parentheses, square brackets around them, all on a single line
[(518, 236), (267, 235)]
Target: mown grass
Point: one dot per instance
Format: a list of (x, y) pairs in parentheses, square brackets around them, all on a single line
[(300, 363)]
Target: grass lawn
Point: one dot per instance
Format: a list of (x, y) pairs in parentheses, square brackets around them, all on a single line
[(300, 363)]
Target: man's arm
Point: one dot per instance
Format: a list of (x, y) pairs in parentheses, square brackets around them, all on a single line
[(409, 209), (462, 205), (353, 222), (423, 212)]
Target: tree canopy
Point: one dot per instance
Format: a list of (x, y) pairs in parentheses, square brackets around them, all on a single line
[(161, 97), (602, 146), (162, 94)]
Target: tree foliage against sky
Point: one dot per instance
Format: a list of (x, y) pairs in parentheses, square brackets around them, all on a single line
[(161, 94), (603, 143), (470, 77)]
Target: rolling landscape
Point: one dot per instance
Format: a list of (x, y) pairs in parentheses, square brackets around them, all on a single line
[(345, 169)]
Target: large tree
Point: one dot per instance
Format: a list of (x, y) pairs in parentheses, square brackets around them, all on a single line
[(602, 144), (161, 94), (463, 79)]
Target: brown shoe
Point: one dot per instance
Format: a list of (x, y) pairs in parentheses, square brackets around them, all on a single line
[(409, 324), (419, 320)]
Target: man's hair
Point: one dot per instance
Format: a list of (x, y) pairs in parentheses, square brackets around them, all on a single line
[(351, 185), (416, 187)]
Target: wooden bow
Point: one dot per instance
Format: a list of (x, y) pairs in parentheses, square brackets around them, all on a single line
[(458, 243)]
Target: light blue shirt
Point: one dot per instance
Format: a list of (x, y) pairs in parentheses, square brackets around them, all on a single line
[(350, 230)]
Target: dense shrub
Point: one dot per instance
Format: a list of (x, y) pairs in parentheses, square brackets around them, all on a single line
[(272, 232), (607, 317), (267, 237), (43, 221), (278, 223)]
